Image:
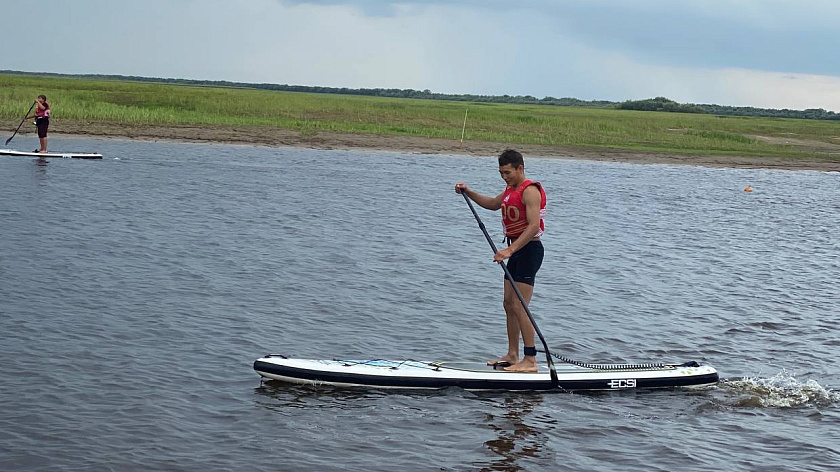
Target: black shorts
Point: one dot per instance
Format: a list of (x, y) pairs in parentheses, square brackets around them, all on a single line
[(42, 124), (524, 263)]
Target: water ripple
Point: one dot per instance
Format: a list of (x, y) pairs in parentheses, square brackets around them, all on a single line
[(136, 293)]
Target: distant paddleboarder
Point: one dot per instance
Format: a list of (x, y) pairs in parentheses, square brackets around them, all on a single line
[(42, 121), (523, 212)]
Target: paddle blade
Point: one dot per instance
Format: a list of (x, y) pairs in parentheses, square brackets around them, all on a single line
[(7, 141)]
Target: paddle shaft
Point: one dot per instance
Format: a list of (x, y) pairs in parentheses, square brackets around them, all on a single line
[(21, 123), (508, 275)]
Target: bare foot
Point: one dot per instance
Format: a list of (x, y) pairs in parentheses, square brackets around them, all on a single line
[(505, 360), (529, 364)]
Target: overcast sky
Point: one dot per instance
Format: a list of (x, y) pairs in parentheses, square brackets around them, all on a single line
[(763, 53)]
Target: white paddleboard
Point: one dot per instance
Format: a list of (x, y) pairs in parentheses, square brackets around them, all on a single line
[(64, 155), (382, 373)]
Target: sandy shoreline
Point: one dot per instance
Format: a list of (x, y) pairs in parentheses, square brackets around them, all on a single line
[(326, 140)]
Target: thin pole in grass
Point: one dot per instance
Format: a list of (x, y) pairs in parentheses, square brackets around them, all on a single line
[(464, 128)]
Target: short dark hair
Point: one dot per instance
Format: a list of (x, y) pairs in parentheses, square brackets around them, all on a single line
[(514, 158)]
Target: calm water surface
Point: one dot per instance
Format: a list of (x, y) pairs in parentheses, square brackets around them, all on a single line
[(135, 294)]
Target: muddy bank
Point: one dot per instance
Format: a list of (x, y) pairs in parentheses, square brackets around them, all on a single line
[(327, 140)]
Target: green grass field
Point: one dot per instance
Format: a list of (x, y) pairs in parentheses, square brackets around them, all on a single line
[(127, 102)]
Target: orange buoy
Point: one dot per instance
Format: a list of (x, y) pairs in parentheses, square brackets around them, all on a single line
[(748, 189)]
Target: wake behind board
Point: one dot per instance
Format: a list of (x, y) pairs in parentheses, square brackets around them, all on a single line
[(64, 155), (477, 376)]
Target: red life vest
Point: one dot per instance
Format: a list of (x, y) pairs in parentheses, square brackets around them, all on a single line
[(42, 112), (514, 218)]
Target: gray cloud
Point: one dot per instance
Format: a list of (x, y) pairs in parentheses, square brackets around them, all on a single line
[(740, 34), (730, 52), (773, 35)]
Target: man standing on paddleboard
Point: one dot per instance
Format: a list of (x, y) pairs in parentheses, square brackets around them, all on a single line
[(42, 120), (523, 212)]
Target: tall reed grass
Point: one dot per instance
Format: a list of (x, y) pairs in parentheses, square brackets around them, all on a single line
[(127, 102)]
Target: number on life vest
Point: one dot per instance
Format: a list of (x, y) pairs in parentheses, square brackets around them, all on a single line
[(512, 213)]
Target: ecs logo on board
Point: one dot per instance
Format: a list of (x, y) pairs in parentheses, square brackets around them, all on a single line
[(622, 383)]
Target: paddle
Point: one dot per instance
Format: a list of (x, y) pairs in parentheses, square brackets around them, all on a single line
[(508, 275), (21, 124)]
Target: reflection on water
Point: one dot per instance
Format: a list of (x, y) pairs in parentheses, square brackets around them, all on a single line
[(274, 394), (519, 433), (515, 438), (40, 168)]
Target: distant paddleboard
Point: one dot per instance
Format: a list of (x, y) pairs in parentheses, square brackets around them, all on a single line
[(396, 374), (63, 155)]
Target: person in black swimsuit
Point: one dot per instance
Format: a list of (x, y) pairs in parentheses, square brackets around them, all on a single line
[(42, 121)]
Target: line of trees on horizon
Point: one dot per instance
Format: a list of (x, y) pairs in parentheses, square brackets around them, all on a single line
[(664, 104), (651, 104)]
